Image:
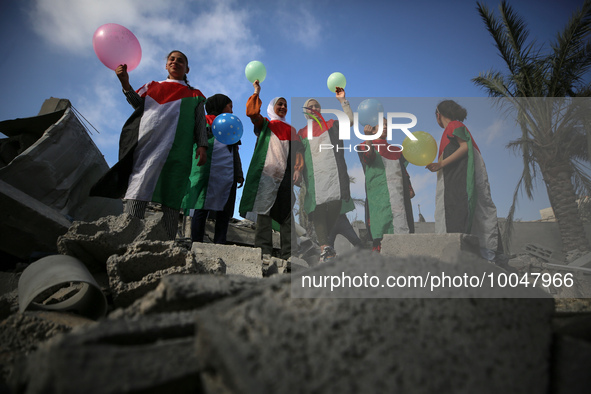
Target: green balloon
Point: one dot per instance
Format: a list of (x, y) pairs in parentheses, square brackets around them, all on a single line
[(422, 151), (255, 70), (336, 80)]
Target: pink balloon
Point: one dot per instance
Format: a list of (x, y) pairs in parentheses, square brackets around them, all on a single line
[(115, 45)]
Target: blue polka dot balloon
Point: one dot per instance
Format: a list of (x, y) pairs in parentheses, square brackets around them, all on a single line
[(227, 128)]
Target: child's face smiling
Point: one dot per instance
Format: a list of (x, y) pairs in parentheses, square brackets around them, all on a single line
[(281, 108), (176, 65)]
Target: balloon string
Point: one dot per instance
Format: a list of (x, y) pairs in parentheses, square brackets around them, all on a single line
[(78, 115)]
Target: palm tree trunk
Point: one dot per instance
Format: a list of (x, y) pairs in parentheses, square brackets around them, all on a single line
[(562, 196)]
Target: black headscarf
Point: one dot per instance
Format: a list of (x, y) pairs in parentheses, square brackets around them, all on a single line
[(216, 104)]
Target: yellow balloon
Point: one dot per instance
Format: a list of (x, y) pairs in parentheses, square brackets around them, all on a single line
[(421, 152)]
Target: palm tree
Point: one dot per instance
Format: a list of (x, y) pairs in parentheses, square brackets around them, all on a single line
[(544, 87)]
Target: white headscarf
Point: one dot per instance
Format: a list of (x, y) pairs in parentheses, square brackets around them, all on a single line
[(271, 110), (307, 104)]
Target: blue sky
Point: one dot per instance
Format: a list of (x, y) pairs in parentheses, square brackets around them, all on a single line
[(429, 49)]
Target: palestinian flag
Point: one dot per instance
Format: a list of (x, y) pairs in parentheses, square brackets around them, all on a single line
[(463, 200), (156, 147), (325, 170), (385, 187), (267, 168), (206, 191)]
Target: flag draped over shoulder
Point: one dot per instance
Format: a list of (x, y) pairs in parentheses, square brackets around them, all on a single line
[(267, 168), (325, 167), (210, 184), (463, 200), (156, 146), (385, 186)]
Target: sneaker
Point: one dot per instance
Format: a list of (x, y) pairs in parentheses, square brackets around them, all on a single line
[(377, 249), (328, 254)]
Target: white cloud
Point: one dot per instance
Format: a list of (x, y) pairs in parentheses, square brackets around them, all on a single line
[(494, 131), (215, 36), (299, 25), (423, 181)]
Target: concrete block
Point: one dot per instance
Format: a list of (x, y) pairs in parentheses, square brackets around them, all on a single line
[(94, 242), (140, 268), (187, 292), (274, 265), (239, 260), (153, 354), (442, 246), (352, 345)]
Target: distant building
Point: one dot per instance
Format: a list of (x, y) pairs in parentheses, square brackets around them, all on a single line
[(547, 215)]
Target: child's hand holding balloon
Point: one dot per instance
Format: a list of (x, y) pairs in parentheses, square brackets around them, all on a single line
[(123, 76)]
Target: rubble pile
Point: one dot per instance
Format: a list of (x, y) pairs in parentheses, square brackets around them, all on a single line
[(219, 318)]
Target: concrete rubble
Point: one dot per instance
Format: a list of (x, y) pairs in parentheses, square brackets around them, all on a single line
[(139, 270), (47, 165), (209, 330)]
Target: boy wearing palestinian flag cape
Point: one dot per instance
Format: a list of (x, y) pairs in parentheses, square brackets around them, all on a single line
[(268, 189), (387, 186), (463, 200), (156, 144), (325, 172)]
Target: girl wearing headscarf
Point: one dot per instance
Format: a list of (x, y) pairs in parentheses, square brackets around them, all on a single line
[(214, 193), (268, 188), (325, 174)]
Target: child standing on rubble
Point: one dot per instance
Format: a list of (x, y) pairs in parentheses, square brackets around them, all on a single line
[(156, 144), (463, 200), (213, 185), (268, 190), (388, 188)]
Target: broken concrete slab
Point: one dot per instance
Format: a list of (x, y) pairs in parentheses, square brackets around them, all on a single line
[(443, 246), (28, 225), (186, 292), (405, 345), (60, 165), (274, 265), (239, 260), (139, 270), (22, 333), (94, 242), (152, 354)]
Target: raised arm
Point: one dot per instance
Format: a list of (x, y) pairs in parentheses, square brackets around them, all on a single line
[(253, 107), (131, 95), (340, 95)]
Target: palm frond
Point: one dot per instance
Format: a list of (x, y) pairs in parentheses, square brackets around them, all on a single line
[(494, 83), (581, 179), (571, 57)]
